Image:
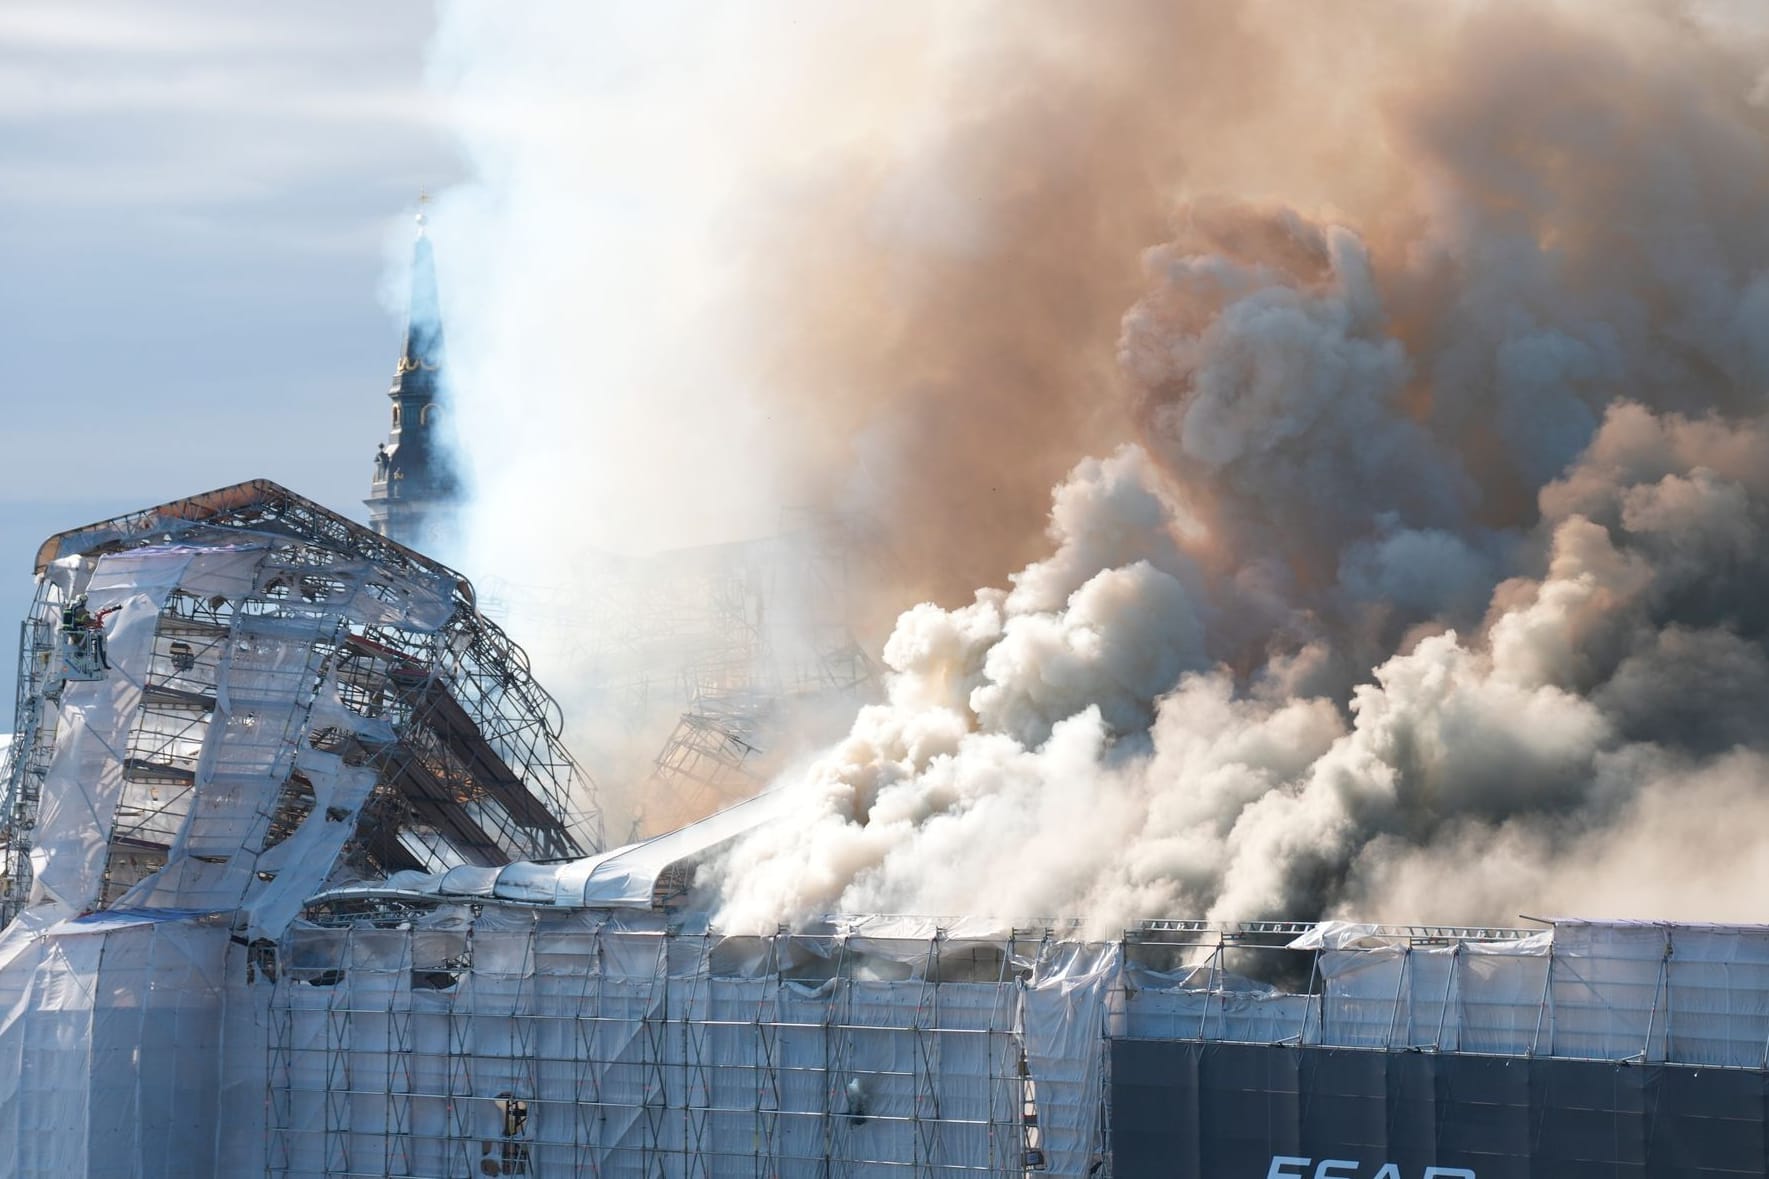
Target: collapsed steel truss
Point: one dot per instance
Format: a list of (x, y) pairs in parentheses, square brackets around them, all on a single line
[(474, 773)]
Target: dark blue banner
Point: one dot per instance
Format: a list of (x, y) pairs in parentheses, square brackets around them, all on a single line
[(1189, 1110)]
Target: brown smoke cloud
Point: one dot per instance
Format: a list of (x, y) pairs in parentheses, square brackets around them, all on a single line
[(1366, 398), (1399, 370), (938, 305), (1550, 211)]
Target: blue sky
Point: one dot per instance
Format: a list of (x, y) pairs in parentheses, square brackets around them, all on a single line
[(199, 204)]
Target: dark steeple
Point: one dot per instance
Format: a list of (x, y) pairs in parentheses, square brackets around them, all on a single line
[(415, 485)]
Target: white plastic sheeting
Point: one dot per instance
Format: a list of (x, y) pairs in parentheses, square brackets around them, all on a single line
[(264, 703), (636, 1051), (625, 877), (1063, 1018), (84, 784), (535, 1040), (1685, 994), (111, 1045), (628, 875)]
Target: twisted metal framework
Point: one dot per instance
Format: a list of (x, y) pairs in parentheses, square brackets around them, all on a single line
[(475, 773), (739, 693)]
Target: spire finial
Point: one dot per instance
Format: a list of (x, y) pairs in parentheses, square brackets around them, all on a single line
[(423, 199)]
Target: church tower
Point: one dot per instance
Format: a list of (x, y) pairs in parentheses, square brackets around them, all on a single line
[(415, 486)]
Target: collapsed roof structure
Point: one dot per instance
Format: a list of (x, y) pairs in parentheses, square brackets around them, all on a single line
[(736, 648), (290, 700)]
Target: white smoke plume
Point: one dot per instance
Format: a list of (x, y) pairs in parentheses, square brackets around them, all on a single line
[(1408, 375), (1069, 747)]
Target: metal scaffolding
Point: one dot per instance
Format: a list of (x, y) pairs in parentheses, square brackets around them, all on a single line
[(784, 614), (26, 763), (533, 1043), (324, 643), (708, 651), (430, 1038)]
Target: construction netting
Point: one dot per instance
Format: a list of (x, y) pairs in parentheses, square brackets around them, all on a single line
[(1644, 991), (481, 1039), (529, 1043), (112, 1045)]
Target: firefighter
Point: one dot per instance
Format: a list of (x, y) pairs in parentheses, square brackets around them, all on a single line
[(75, 616), (85, 630)]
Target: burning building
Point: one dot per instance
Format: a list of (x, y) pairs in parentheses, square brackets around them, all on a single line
[(1410, 562), (303, 883), (224, 703)]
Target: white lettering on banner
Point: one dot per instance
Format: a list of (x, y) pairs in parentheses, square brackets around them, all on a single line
[(1282, 1164)]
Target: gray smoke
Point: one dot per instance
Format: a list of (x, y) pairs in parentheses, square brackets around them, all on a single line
[(1081, 752), (1407, 368), (1436, 578)]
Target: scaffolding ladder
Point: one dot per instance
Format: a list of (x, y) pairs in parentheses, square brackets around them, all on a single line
[(27, 760)]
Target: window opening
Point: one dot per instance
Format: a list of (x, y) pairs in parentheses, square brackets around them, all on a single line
[(509, 1155)]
